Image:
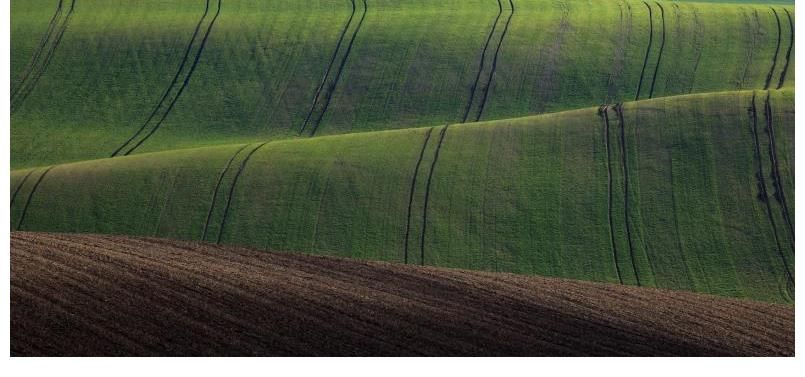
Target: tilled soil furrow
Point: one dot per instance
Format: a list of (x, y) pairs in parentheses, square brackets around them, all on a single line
[(134, 296)]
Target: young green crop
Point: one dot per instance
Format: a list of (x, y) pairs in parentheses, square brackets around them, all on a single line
[(683, 209)]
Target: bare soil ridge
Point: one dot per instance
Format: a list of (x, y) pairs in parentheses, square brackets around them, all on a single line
[(108, 295)]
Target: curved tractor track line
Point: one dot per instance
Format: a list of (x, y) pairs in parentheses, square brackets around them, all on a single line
[(411, 194), (494, 64), (172, 84), (217, 189), (340, 71), (427, 193), (25, 89), (776, 51), (31, 196), (778, 182), (17, 190), (648, 50), (603, 112), (184, 84), (763, 194), (659, 56), (232, 190), (329, 68), (481, 64), (790, 47), (45, 38), (624, 161)]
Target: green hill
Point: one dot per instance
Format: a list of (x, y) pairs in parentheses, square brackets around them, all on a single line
[(96, 78), (690, 192)]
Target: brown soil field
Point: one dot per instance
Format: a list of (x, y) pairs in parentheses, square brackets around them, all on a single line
[(106, 295)]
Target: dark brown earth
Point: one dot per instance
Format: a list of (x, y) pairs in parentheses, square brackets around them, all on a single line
[(107, 295)]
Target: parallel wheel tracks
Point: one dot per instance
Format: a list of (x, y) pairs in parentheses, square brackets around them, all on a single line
[(619, 111), (39, 64), (776, 51), (31, 196), (413, 190), (136, 140), (603, 112), (762, 192), (790, 47), (779, 194), (659, 56), (319, 106), (648, 50), (232, 187), (442, 133)]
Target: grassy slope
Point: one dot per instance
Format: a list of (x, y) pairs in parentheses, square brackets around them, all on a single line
[(413, 63), (525, 195)]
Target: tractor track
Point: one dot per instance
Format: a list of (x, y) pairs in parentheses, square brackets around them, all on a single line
[(411, 194), (750, 48), (25, 89), (442, 133), (329, 68), (232, 189), (185, 82), (776, 51), (776, 176), (217, 189), (40, 49), (172, 84), (17, 190), (788, 53), (340, 72), (659, 56), (31, 196), (648, 50), (697, 37), (624, 161), (495, 63), (481, 64), (763, 193), (603, 112)]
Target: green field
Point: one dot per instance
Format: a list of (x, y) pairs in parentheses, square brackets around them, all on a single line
[(641, 143), (410, 64), (529, 195)]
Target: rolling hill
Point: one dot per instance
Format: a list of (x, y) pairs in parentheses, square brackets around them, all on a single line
[(74, 295), (99, 78), (687, 192)]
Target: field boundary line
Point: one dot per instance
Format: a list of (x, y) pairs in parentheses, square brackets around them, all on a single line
[(184, 83), (27, 89), (776, 51), (232, 189), (495, 64), (442, 133), (31, 196), (603, 112), (172, 83), (662, 48), (45, 38), (624, 161), (17, 190), (648, 50), (217, 188), (777, 178), (411, 194), (790, 47), (763, 194), (340, 72), (481, 64), (329, 68)]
